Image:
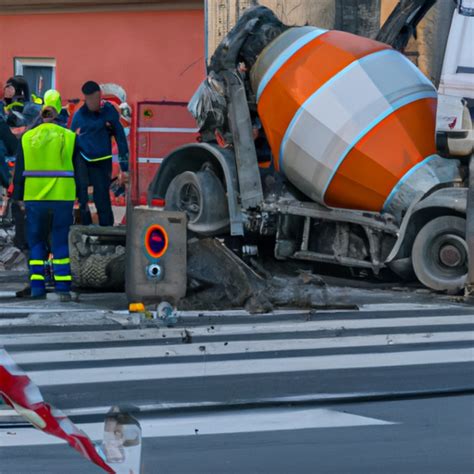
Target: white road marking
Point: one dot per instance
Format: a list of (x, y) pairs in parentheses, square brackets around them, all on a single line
[(235, 347), (234, 329), (7, 294), (51, 307), (251, 421), (392, 307), (249, 367), (334, 324)]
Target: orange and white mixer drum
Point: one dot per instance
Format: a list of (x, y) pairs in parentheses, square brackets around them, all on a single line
[(350, 121)]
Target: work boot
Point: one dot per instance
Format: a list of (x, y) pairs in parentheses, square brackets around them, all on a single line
[(24, 293), (60, 297)]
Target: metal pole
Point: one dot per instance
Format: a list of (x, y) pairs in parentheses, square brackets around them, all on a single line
[(469, 291)]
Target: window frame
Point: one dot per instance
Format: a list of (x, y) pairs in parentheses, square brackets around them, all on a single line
[(20, 62)]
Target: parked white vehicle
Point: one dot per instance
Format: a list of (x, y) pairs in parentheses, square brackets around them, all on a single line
[(457, 76)]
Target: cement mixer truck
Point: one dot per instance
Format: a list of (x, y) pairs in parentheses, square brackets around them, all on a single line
[(321, 146), (324, 144)]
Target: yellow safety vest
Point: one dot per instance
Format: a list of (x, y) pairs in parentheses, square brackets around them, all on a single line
[(49, 172)]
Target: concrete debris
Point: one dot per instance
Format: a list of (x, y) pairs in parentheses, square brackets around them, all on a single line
[(258, 303), (11, 258), (306, 277), (219, 280), (217, 277)]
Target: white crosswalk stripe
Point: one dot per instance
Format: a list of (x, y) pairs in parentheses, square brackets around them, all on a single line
[(251, 421), (236, 347), (126, 373)]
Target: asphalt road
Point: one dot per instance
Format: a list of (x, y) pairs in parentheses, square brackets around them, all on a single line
[(230, 393), (430, 435), (241, 359)]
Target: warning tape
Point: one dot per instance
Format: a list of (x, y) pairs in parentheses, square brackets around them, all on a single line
[(18, 391)]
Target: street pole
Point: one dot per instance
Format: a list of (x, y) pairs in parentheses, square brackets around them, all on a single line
[(469, 290)]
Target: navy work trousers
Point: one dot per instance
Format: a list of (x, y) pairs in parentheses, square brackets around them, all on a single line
[(97, 174), (45, 219)]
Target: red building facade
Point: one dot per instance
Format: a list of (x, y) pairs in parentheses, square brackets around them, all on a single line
[(154, 50)]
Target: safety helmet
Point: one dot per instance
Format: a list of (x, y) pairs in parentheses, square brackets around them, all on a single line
[(52, 98)]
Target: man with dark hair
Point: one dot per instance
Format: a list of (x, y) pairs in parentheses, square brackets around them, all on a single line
[(95, 123)]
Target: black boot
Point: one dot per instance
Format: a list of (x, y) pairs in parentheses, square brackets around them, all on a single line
[(24, 293)]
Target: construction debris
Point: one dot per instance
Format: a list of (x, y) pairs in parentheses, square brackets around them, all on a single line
[(11, 258)]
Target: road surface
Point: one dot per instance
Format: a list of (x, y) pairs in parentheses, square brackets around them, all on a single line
[(385, 389), (422, 436)]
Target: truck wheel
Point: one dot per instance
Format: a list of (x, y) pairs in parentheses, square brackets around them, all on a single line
[(202, 197), (440, 256), (97, 257)]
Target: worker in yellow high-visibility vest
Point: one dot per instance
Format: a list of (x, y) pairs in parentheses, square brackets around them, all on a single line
[(44, 184)]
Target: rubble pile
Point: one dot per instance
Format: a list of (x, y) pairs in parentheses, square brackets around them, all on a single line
[(11, 258)]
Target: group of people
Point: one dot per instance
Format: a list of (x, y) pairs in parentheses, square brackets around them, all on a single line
[(53, 166)]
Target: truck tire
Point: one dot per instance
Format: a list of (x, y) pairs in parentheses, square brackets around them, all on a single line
[(97, 257), (94, 271), (202, 197), (440, 255)]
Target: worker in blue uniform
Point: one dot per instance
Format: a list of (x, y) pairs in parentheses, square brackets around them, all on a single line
[(95, 123), (44, 185)]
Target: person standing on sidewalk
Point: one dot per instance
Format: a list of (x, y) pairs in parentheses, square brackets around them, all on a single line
[(8, 146), (19, 113), (95, 123), (18, 109), (44, 186)]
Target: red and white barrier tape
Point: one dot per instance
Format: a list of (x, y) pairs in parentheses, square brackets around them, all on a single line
[(24, 396)]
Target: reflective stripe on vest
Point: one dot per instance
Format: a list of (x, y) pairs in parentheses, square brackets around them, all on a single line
[(10, 107), (48, 174), (92, 160), (49, 151)]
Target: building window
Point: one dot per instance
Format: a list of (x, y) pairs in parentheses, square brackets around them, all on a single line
[(40, 73)]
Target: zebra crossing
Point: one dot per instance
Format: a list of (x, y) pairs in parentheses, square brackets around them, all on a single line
[(233, 377), (217, 359)]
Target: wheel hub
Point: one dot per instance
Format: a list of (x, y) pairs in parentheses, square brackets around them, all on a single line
[(189, 200), (452, 252), (450, 256)]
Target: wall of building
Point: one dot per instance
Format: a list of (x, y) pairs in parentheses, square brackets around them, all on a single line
[(427, 50), (157, 55), (223, 14)]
